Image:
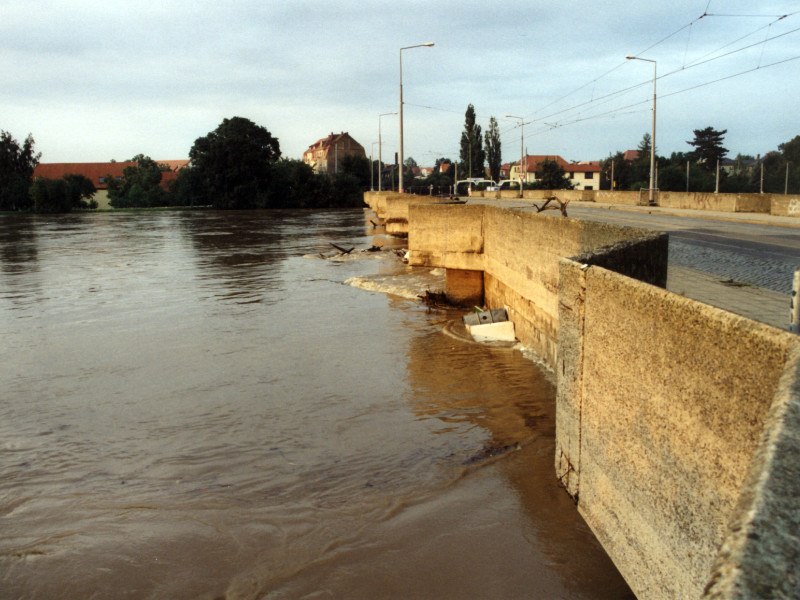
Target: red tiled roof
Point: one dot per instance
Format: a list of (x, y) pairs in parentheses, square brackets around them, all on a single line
[(532, 162), (631, 155), (330, 140), (582, 168), (94, 171), (97, 172)]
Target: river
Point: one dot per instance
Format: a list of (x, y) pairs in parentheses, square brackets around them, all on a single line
[(207, 405)]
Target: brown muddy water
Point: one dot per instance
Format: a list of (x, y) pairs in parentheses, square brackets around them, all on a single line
[(196, 405)]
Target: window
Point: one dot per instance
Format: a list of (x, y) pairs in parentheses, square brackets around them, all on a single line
[(571, 175), (588, 187), (588, 175)]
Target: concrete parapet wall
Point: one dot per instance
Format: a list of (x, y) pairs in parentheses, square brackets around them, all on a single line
[(760, 557), (662, 403), (677, 424), (785, 206), (616, 197), (446, 235), (519, 252)]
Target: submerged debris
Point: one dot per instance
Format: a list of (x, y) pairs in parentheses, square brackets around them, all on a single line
[(435, 299), (343, 250), (734, 283), (491, 450)]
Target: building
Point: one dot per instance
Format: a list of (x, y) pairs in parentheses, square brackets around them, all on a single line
[(98, 173), (630, 156), (325, 155), (583, 175)]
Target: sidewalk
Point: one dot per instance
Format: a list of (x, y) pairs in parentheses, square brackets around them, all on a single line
[(713, 215), (764, 306), (759, 304)]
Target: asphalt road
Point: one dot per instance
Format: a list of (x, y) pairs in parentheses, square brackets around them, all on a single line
[(762, 255)]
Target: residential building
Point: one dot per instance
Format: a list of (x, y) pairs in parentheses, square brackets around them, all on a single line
[(98, 173), (631, 156), (325, 155), (583, 175)]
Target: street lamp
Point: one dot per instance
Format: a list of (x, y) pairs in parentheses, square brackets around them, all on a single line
[(372, 168), (521, 153), (653, 140), (400, 185), (380, 146)]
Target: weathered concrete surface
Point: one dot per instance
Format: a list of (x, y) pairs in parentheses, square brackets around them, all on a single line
[(518, 252), (760, 557), (658, 421), (678, 424), (464, 287), (785, 206)]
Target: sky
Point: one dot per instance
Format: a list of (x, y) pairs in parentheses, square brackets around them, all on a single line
[(96, 80)]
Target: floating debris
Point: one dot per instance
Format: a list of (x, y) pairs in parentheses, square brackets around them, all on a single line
[(435, 299)]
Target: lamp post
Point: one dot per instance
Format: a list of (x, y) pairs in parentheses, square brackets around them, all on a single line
[(653, 140), (400, 184), (521, 155), (372, 168), (380, 147)]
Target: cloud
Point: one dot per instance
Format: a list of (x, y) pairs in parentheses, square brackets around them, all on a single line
[(93, 79)]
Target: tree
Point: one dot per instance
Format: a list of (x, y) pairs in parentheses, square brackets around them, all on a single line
[(140, 186), (62, 195), (357, 166), (234, 162), (551, 176), (472, 154), (494, 154), (708, 147), (16, 169)]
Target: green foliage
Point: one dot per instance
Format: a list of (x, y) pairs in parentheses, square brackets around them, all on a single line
[(550, 176), (295, 185), (234, 164), (140, 186), (62, 195), (357, 166), (472, 154), (494, 155), (791, 151), (708, 147), (17, 163)]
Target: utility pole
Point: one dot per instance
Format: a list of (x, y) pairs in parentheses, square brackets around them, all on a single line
[(687, 176), (521, 141), (786, 184), (402, 158), (653, 140)]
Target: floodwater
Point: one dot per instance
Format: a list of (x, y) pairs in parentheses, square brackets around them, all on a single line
[(195, 405)]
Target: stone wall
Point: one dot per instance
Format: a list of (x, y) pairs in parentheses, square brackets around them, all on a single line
[(519, 253), (785, 206), (677, 424), (662, 403)]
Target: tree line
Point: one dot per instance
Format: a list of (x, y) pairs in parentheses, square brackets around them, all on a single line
[(696, 171), (236, 166), (239, 165)]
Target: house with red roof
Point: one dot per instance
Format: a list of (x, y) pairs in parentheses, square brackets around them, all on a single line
[(583, 175), (325, 155), (98, 173)]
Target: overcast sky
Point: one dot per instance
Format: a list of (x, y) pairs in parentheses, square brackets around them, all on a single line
[(95, 81)]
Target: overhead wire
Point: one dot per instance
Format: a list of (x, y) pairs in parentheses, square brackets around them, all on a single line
[(606, 98)]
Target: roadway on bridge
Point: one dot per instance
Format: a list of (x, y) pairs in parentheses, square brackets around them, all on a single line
[(752, 249)]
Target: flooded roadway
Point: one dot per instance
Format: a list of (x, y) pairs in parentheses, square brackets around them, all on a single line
[(195, 405)]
